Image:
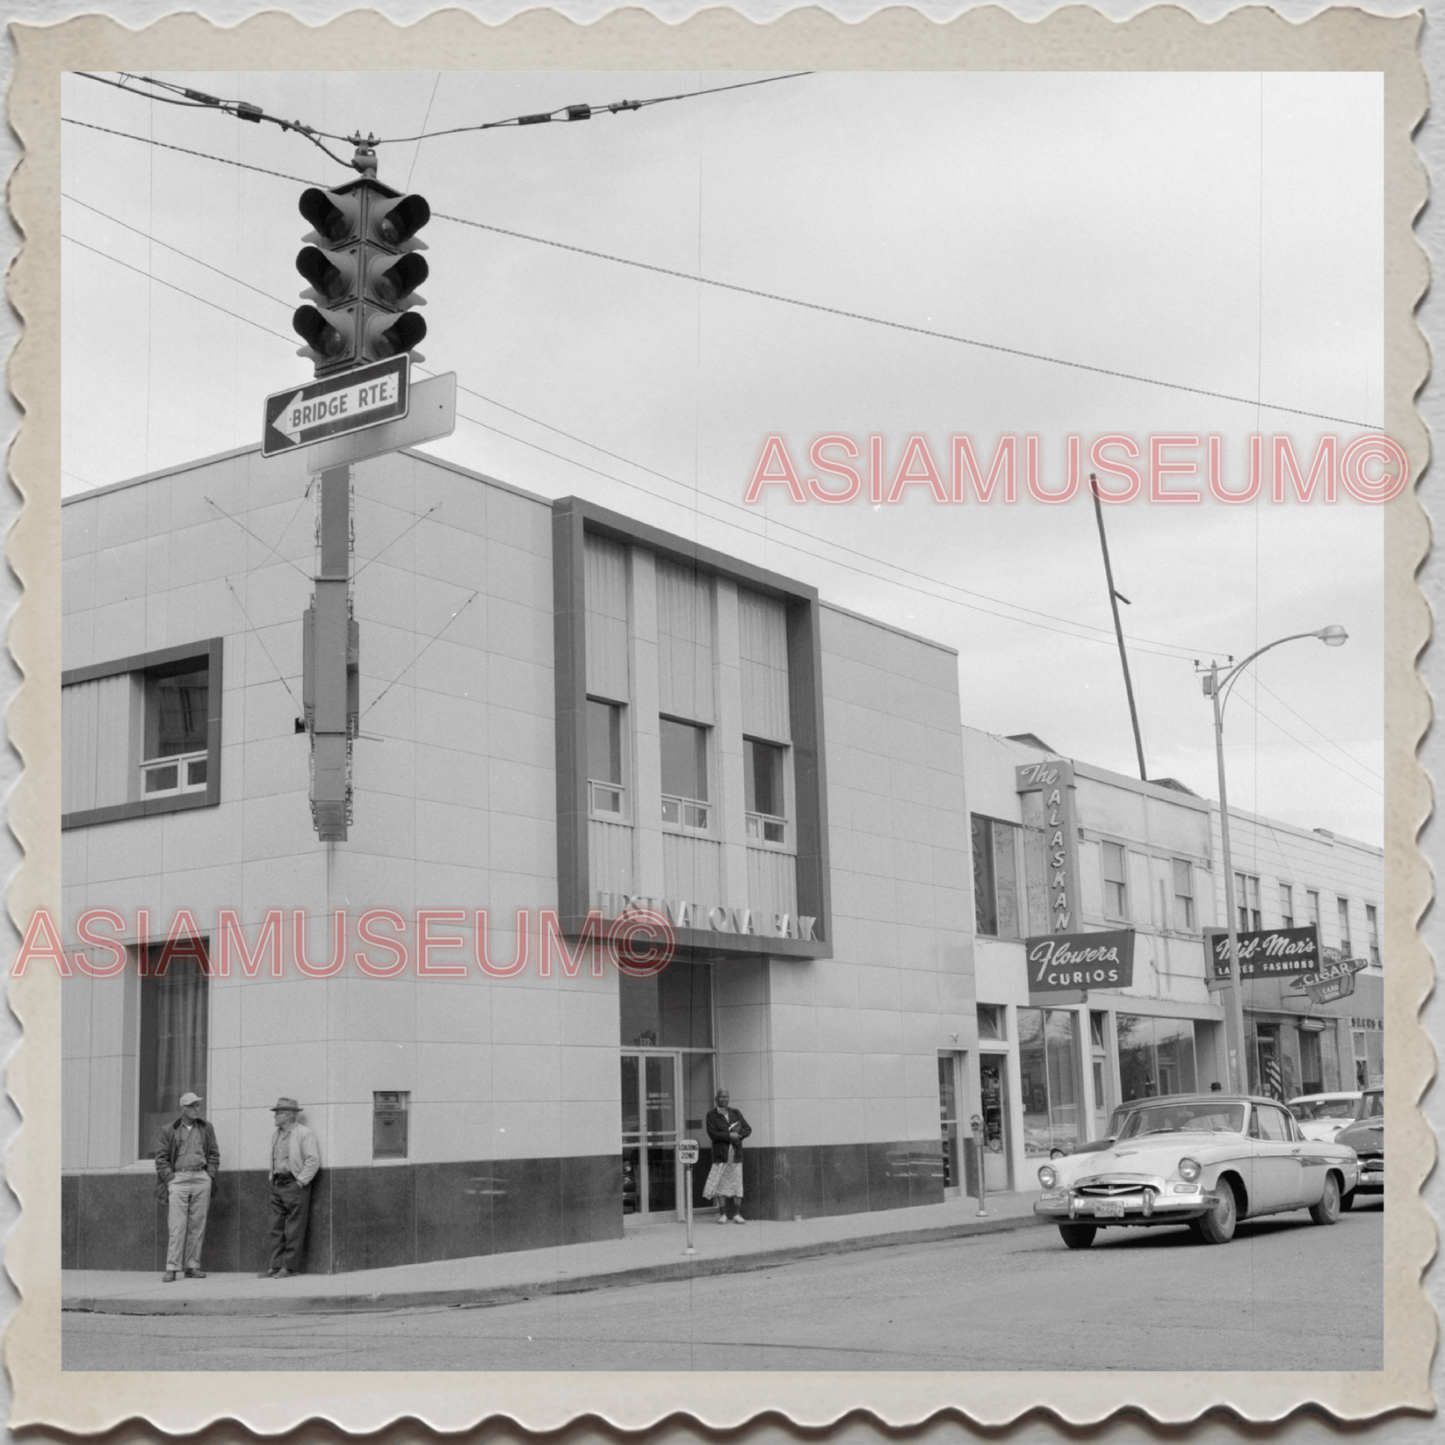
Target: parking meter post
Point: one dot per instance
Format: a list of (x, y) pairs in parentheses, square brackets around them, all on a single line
[(976, 1124), (687, 1204)]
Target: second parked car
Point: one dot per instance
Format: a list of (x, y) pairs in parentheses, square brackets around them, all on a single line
[(1366, 1136)]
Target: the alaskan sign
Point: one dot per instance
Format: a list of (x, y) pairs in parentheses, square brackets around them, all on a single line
[(1063, 962), (1048, 807), (1270, 952), (335, 405)]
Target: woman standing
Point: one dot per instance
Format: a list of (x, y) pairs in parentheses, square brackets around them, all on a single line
[(727, 1129)]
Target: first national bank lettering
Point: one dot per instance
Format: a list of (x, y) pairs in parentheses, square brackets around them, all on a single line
[(1048, 806)]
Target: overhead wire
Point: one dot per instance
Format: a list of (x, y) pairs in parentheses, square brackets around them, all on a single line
[(997, 348)]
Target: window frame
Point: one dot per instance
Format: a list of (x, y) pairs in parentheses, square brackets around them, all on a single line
[(988, 830), (1189, 923), (622, 814), (1372, 928), (1121, 882), (1342, 917), (160, 662), (755, 817), (680, 823), (1247, 901), (1286, 905)]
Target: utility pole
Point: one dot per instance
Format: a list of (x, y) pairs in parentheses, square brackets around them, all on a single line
[(1114, 599)]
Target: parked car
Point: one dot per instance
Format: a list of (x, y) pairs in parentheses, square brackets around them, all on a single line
[(1322, 1116), (1206, 1160), (1366, 1136)]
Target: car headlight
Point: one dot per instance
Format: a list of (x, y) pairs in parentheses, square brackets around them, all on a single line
[(1048, 1175), (1190, 1169)]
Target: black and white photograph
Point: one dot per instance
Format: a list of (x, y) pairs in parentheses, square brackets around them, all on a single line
[(724, 720)]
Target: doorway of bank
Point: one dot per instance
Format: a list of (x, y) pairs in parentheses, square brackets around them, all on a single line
[(666, 1094)]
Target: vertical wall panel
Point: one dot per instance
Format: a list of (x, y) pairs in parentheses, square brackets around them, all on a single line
[(692, 869), (609, 857), (684, 642), (96, 756), (606, 586), (772, 882), (763, 639)]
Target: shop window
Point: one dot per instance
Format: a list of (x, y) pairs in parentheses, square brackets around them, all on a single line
[(1369, 1055), (995, 877), (174, 1035), (1246, 900), (1343, 908), (1049, 1075), (1286, 906), (684, 776), (763, 784), (605, 794), (141, 735), (1372, 927), (1311, 1063), (1156, 1056), (1183, 895), (1116, 881), (991, 1024)]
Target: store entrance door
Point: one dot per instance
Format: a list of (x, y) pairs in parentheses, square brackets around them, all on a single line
[(993, 1092), (651, 1089)]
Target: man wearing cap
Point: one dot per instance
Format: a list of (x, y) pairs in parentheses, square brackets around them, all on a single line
[(295, 1159), (187, 1162)]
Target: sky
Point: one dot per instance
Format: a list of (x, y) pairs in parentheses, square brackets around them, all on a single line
[(1212, 233)]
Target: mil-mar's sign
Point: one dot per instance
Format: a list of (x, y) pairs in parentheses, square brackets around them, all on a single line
[(1270, 952), (1062, 962)]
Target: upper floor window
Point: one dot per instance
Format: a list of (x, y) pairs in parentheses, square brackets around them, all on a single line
[(995, 877), (1116, 881), (1343, 904), (1312, 906), (141, 735), (1183, 895), (605, 794), (763, 783), (684, 775), (1372, 924), (1246, 900), (1286, 906)]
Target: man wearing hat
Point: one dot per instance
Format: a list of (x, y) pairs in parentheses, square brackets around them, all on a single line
[(295, 1159), (187, 1162)]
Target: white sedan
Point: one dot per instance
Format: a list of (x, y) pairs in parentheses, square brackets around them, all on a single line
[(1206, 1160), (1322, 1116)]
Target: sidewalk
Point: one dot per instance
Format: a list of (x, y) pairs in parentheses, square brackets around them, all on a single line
[(643, 1255)]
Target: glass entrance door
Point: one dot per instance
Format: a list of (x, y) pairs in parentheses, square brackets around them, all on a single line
[(993, 1093), (651, 1087), (948, 1123)]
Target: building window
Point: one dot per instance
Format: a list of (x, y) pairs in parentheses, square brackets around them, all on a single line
[(1372, 926), (1246, 900), (1183, 895), (1116, 885), (1343, 907), (1312, 906), (991, 1021), (1286, 906), (141, 735), (767, 810), (174, 1033), (1049, 1075), (684, 776), (1156, 1056), (995, 877), (605, 793)]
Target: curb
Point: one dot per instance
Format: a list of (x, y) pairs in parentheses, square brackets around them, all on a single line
[(488, 1296)]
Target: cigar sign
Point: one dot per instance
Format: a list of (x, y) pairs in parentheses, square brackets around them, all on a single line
[(1270, 953), (1059, 962), (1048, 807)]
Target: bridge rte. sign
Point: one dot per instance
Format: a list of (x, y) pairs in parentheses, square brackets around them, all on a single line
[(336, 405)]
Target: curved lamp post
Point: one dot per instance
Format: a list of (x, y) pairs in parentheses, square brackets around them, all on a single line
[(1217, 685)]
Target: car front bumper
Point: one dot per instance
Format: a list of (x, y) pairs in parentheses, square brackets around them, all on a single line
[(1372, 1177), (1142, 1206)]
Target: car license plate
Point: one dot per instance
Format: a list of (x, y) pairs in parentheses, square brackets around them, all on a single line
[(1108, 1209)]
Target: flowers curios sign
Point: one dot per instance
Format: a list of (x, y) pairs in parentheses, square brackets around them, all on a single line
[(1063, 962), (1048, 805), (1270, 952)]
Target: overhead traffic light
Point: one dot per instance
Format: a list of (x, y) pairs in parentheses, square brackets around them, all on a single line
[(362, 268)]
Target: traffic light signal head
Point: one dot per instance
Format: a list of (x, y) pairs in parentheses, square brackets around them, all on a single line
[(362, 271)]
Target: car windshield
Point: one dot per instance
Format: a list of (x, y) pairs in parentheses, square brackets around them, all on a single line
[(1304, 1109), (1212, 1118), (1372, 1106)]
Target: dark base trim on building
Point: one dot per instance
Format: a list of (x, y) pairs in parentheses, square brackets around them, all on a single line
[(818, 1179), (366, 1218)]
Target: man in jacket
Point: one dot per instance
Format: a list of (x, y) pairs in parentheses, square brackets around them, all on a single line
[(187, 1162), (727, 1129), (295, 1158)]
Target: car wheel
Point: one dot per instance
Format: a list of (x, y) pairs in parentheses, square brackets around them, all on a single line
[(1327, 1211), (1347, 1202), (1217, 1227), (1078, 1236)]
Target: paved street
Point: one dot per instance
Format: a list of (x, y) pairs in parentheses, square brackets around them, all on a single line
[(1284, 1295)]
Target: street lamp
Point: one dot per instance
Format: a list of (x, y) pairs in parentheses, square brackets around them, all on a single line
[(1218, 687)]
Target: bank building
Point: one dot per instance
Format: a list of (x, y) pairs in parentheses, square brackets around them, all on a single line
[(559, 716)]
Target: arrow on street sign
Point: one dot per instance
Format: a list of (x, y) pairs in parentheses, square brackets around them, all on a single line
[(336, 405)]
